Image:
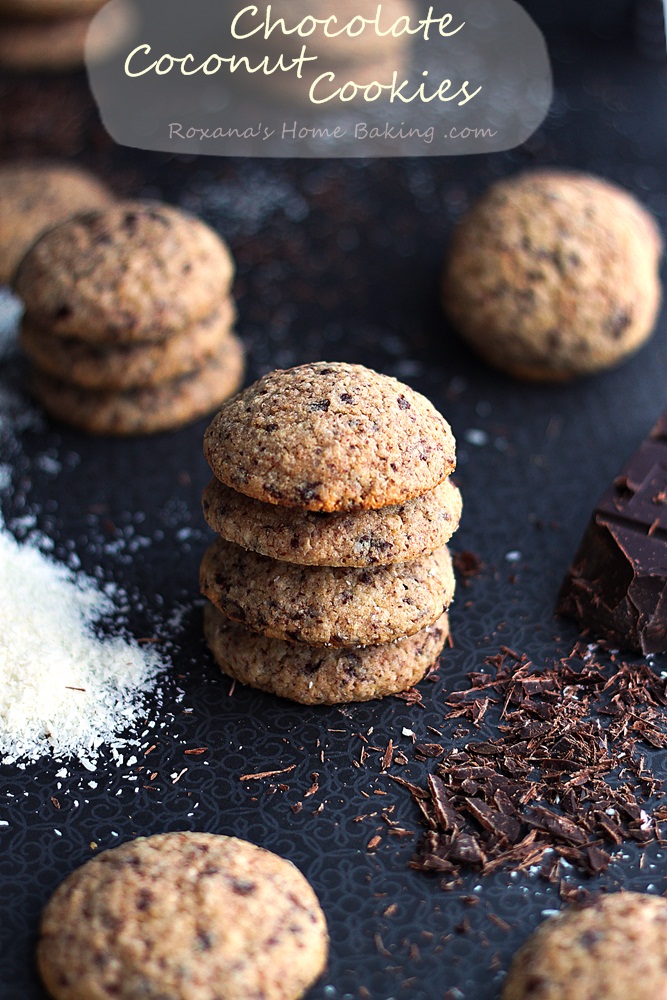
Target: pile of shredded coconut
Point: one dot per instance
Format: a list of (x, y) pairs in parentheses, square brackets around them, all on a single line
[(64, 689)]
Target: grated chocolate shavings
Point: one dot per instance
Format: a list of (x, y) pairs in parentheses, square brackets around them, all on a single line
[(560, 774), (467, 565)]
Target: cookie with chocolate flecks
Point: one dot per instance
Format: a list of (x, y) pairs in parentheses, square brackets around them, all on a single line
[(322, 675), (138, 271), (611, 950), (148, 409), (130, 365), (393, 534), (554, 274), (248, 924), (322, 605), (330, 437)]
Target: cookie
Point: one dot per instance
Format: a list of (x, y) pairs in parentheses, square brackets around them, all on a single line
[(41, 10), (614, 950), (317, 675), (145, 411), (330, 437), (35, 196), (137, 271), (43, 46), (324, 605), (553, 275), (183, 915), (364, 538), (133, 365)]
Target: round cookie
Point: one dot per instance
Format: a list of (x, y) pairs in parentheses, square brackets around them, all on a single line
[(323, 605), (611, 950), (137, 271), (330, 437), (190, 915), (364, 538), (145, 411), (35, 196), (316, 675), (128, 366), (40, 10), (553, 275)]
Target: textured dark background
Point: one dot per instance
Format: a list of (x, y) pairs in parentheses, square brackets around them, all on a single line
[(337, 260)]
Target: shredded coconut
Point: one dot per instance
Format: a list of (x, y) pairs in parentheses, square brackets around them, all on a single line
[(64, 689)]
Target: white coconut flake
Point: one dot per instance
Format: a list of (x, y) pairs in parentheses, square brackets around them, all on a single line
[(477, 437), (64, 690)]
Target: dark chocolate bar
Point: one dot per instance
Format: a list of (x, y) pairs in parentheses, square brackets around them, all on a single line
[(617, 584)]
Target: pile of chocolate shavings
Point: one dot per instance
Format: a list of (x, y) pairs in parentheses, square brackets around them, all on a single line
[(564, 778)]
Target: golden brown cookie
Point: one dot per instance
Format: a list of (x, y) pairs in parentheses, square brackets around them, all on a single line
[(183, 915), (137, 271), (322, 605), (35, 196), (149, 410), (330, 436), (363, 538), (132, 365), (552, 275), (321, 675), (613, 950)]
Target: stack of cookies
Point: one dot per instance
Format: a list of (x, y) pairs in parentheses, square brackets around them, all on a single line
[(44, 35), (129, 319), (331, 579)]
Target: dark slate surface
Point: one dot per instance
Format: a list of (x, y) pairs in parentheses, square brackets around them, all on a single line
[(336, 261)]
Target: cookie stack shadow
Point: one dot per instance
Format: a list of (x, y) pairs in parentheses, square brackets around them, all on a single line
[(331, 578), (129, 319)]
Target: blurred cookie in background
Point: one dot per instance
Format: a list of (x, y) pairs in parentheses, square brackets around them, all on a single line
[(47, 10), (34, 197), (52, 36), (553, 275), (129, 319)]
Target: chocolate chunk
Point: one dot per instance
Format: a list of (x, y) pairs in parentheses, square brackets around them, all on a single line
[(617, 584)]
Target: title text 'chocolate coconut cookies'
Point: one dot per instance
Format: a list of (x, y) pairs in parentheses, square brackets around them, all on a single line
[(603, 951), (36, 196), (553, 275), (129, 319), (332, 579), (187, 915)]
